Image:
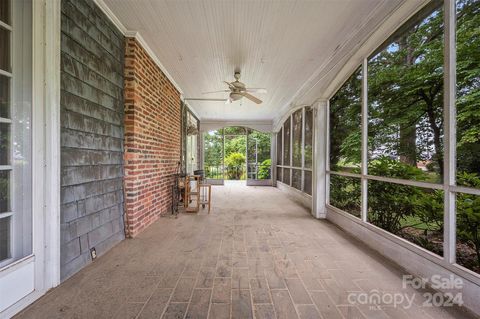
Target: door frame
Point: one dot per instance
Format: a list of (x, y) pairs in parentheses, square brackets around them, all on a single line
[(45, 257), (257, 182)]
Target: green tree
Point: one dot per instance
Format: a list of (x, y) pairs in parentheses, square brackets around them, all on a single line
[(345, 109), (406, 92), (468, 86)]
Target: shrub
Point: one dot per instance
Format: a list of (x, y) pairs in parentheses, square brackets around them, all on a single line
[(234, 164), (345, 194), (391, 204), (468, 213), (264, 169)]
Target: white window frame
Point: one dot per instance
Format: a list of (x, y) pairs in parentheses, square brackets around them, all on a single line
[(9, 167), (302, 168), (45, 155), (448, 186)]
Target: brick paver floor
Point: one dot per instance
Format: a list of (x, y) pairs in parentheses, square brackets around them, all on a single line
[(257, 254)]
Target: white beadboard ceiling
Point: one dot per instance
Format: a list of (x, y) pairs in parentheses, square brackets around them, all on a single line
[(280, 45)]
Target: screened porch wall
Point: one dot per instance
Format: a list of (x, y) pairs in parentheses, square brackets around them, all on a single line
[(294, 152), (379, 167)]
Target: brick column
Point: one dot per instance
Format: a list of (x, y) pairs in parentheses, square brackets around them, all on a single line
[(152, 138)]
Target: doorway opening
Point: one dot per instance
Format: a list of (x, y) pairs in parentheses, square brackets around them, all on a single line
[(237, 154)]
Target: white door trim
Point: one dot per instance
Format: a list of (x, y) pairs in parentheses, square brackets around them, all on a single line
[(45, 154), (52, 141)]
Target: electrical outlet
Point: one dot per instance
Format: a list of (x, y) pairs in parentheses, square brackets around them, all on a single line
[(93, 253)]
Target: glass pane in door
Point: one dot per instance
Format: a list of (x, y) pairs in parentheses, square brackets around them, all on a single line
[(4, 96), (5, 143), (15, 131), (5, 49), (235, 153), (213, 154), (5, 11), (4, 238), (308, 148), (297, 139), (4, 191), (192, 143), (279, 147), (286, 142), (259, 151)]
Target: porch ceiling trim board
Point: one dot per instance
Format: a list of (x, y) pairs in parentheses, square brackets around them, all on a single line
[(262, 126)]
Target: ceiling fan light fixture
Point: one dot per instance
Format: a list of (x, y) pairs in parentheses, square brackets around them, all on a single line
[(235, 96)]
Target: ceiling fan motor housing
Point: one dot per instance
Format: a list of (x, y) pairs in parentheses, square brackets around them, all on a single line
[(235, 96)]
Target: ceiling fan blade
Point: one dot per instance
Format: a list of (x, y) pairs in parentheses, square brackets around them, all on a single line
[(257, 90), (202, 99), (230, 85), (213, 92), (251, 97)]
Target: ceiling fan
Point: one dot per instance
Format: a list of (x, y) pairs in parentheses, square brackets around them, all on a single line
[(237, 91)]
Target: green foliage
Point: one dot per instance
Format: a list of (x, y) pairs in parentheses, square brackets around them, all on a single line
[(468, 85), (260, 143), (234, 164), (235, 160), (213, 148), (395, 207), (235, 144), (229, 150), (345, 107), (468, 179), (405, 126), (405, 89), (389, 205), (468, 221), (387, 167), (429, 210), (468, 214), (4, 191), (345, 194), (264, 169)]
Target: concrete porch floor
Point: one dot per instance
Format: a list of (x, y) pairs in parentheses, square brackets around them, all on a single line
[(257, 254)]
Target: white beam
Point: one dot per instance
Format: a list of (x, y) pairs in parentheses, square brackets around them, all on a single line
[(364, 125), (449, 113), (319, 160), (273, 156)]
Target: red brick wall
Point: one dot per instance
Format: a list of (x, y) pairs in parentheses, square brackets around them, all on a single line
[(152, 138)]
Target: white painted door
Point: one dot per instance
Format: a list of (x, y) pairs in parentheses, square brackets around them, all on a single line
[(17, 169)]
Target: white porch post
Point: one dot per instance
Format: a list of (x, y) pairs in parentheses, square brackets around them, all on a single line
[(273, 156), (319, 160), (51, 18), (202, 149)]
